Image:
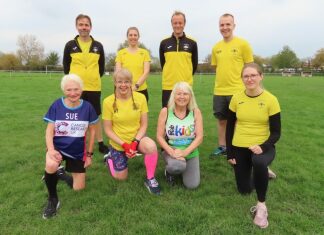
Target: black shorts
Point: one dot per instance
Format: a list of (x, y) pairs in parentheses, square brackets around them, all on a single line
[(221, 106), (73, 165), (93, 97), (145, 92), (165, 97)]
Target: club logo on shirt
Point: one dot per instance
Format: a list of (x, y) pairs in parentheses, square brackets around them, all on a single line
[(242, 102), (261, 104), (61, 128), (169, 46), (95, 49), (186, 46), (75, 48), (218, 51), (234, 51)]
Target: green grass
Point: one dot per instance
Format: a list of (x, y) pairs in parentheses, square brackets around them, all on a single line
[(295, 198)]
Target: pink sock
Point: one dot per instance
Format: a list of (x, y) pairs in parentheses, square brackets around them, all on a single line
[(150, 161), (110, 166)]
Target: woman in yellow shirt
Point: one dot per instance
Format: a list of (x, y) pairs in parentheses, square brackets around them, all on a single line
[(136, 60), (253, 128), (125, 123)]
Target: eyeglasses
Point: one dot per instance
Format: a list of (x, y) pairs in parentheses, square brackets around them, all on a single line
[(252, 76), (126, 82)]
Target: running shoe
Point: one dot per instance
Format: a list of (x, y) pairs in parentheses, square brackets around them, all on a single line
[(260, 214), (153, 186), (52, 206)]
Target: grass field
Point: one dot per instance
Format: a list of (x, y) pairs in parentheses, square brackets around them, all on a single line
[(295, 199)]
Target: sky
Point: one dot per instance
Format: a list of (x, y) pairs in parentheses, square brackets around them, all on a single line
[(268, 25)]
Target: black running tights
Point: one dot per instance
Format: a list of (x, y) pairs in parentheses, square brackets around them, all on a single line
[(247, 164)]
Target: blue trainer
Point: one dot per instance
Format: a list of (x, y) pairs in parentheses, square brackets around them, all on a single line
[(219, 151)]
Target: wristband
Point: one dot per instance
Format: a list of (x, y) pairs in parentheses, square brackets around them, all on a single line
[(137, 86), (89, 154)]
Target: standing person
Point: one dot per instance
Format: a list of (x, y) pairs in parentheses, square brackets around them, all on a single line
[(85, 57), (69, 119), (125, 123), (179, 133), (253, 128), (229, 56), (136, 60), (178, 57)]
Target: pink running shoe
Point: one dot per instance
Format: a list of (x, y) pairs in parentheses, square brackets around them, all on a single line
[(271, 174), (260, 215)]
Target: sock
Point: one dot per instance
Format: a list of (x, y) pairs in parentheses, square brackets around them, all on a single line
[(51, 182), (150, 161), (110, 166)]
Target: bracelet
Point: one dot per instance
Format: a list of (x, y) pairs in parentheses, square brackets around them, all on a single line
[(137, 86), (89, 154)]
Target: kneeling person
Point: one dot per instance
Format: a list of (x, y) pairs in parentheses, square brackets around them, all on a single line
[(179, 133), (125, 123), (69, 119)]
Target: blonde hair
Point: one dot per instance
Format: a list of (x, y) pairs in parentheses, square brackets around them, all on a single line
[(125, 74), (184, 87), (71, 77)]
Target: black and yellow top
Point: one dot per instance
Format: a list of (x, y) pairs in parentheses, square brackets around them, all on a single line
[(89, 64), (179, 60), (253, 121)]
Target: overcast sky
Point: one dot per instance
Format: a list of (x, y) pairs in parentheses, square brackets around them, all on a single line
[(267, 24)]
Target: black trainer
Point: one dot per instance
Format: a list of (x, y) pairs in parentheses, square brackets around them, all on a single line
[(50, 210), (153, 186), (169, 178), (103, 148), (61, 174)]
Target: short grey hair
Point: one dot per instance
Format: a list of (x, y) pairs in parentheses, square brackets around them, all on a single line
[(71, 77)]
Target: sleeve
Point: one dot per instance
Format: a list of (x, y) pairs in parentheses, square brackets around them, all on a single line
[(118, 57), (232, 105), (147, 57), (102, 61), (50, 116), (274, 107), (275, 132), (247, 53), (161, 53), (194, 58), (66, 59), (93, 117), (230, 126), (213, 58), (144, 107), (107, 109)]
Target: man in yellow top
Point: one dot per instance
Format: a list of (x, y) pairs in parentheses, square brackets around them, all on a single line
[(178, 57), (229, 56), (85, 57)]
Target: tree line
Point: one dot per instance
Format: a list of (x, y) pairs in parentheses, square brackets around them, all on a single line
[(30, 55)]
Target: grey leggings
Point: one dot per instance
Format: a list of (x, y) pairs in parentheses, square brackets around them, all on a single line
[(189, 169)]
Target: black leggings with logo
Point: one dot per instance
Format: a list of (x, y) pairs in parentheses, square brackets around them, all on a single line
[(248, 163)]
